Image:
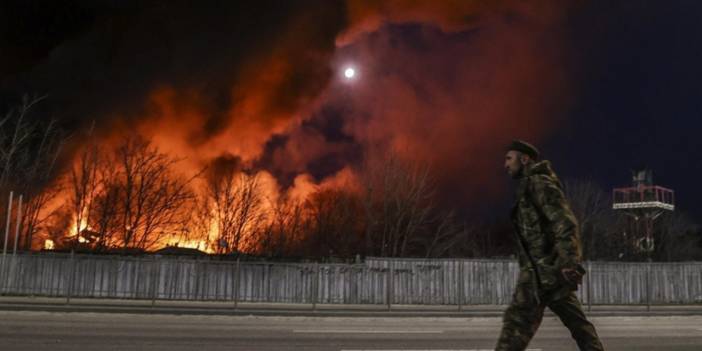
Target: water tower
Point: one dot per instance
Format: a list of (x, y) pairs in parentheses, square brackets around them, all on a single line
[(644, 203)]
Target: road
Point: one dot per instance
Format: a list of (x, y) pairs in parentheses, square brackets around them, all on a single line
[(111, 331)]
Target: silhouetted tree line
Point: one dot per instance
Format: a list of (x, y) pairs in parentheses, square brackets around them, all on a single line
[(30, 156), (611, 235), (128, 196)]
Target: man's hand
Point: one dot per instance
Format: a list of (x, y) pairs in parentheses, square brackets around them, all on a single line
[(572, 276)]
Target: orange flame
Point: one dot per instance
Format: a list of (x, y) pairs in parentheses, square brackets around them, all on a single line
[(49, 244)]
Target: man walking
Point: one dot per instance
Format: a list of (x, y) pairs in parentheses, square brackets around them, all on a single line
[(548, 238)]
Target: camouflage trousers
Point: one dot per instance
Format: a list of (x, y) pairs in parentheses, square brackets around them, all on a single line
[(524, 314)]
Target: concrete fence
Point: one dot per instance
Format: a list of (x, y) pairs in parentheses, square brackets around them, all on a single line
[(376, 281)]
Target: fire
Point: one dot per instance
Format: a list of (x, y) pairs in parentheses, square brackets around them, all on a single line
[(201, 245), (77, 228), (274, 106), (81, 228)]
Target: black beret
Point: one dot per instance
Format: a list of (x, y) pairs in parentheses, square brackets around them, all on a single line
[(525, 148)]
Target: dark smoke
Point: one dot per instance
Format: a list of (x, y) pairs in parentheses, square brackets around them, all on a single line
[(441, 82)]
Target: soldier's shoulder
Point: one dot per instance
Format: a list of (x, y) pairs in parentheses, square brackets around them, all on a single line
[(542, 180), (543, 186)]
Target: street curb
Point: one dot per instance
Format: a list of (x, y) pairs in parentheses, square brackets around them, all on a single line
[(279, 312)]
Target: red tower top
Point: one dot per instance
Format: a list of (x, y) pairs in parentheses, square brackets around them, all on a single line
[(643, 194)]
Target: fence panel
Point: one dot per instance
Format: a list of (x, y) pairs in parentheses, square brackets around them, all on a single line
[(376, 281)]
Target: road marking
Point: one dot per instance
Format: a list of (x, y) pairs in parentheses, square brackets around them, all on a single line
[(366, 331), (430, 350)]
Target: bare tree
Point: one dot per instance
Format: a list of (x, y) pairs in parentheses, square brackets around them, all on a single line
[(29, 153), (334, 223), (234, 202), (284, 230), (104, 210), (16, 138), (84, 183), (55, 230), (399, 205), (593, 208), (676, 238), (151, 198), (194, 230), (445, 234)]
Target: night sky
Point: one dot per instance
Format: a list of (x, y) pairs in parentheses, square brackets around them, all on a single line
[(600, 86), (639, 100)]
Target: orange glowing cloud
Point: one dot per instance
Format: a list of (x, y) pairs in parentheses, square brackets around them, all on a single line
[(446, 83), (454, 85)]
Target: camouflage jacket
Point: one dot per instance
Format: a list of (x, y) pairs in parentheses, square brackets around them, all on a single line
[(546, 227)]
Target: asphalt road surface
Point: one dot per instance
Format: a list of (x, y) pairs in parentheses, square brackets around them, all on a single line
[(106, 331)]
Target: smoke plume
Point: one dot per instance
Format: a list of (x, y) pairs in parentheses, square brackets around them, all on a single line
[(446, 83)]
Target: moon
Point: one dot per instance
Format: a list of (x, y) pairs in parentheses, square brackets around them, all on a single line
[(349, 73)]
